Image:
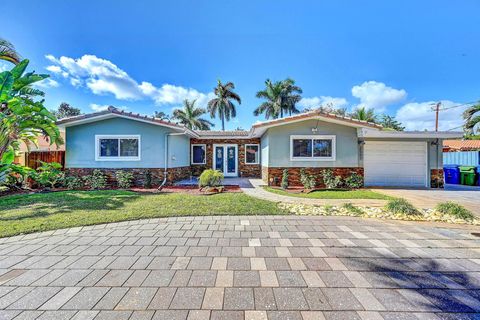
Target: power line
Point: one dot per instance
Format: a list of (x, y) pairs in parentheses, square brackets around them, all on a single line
[(457, 106)]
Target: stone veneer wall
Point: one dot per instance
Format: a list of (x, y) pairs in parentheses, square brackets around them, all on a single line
[(265, 174), (244, 170), (275, 175), (436, 178), (173, 174)]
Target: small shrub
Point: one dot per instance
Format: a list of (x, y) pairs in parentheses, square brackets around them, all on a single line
[(308, 180), (401, 206), (354, 181), (210, 178), (455, 210), (147, 182), (284, 183), (328, 209), (331, 181), (73, 183), (97, 180), (124, 179), (352, 209), (49, 174)]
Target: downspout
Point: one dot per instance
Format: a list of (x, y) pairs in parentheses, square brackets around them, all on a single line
[(436, 156), (165, 170)]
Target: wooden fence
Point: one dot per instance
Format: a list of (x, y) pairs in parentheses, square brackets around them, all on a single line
[(33, 158)]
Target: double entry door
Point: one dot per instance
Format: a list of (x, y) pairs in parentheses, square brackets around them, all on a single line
[(225, 159)]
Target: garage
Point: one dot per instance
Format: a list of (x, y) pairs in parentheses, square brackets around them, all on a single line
[(395, 163)]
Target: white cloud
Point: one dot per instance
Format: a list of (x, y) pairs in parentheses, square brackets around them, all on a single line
[(420, 116), (98, 107), (47, 83), (315, 102), (377, 95), (104, 77)]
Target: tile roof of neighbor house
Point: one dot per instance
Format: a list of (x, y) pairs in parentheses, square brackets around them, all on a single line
[(462, 145)]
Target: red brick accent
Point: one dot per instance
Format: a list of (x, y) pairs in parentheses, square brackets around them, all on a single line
[(244, 170), (173, 174), (436, 178), (275, 175)]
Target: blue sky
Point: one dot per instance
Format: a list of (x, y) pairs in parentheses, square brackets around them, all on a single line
[(395, 56)]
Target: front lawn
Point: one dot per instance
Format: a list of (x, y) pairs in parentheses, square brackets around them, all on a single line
[(47, 211), (333, 194)]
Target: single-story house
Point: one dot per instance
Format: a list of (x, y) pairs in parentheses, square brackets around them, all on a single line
[(113, 139)]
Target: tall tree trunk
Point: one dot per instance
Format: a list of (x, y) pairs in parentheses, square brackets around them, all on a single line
[(223, 122)]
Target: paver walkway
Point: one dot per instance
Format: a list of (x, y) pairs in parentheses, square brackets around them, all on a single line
[(257, 191), (255, 268)]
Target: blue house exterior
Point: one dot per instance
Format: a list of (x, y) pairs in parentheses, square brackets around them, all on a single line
[(113, 139)]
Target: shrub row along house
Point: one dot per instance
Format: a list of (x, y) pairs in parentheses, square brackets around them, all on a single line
[(113, 139)]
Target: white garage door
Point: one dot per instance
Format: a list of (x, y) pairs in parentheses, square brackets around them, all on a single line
[(402, 164)]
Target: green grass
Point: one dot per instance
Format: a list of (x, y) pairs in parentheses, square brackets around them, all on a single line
[(48, 211), (333, 194), (401, 206), (455, 210)]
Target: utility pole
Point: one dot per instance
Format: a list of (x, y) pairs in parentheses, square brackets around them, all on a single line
[(437, 110)]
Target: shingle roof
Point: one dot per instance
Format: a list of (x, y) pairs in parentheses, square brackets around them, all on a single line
[(462, 145), (114, 110), (311, 114)]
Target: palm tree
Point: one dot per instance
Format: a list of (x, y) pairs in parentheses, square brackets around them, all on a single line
[(8, 52), (364, 114), (281, 96), (472, 118), (223, 104), (190, 116)]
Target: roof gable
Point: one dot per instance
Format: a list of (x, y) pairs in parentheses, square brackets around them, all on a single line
[(113, 112)]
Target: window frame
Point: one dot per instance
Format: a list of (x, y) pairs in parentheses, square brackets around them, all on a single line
[(313, 137), (191, 153), (245, 149), (98, 137)]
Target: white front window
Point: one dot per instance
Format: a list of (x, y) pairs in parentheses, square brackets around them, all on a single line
[(312, 148), (117, 147)]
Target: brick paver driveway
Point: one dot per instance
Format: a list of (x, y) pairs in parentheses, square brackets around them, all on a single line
[(243, 268)]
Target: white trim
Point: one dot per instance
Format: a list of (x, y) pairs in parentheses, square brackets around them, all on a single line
[(427, 165), (191, 153), (314, 137), (225, 163), (258, 153), (367, 133), (119, 137)]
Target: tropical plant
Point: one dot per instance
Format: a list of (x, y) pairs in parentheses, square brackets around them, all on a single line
[(308, 180), (14, 176), (389, 122), (49, 174), (161, 115), (210, 178), (21, 117), (8, 52), (330, 180), (284, 183), (124, 179), (354, 181), (223, 103), (190, 116), (73, 183), (97, 180), (147, 181), (65, 110), (401, 206), (281, 98), (472, 119), (455, 210), (364, 114)]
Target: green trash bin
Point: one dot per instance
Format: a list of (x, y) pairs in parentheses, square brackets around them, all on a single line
[(467, 175)]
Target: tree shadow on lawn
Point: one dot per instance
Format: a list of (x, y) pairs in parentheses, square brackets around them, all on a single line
[(47, 204), (420, 284)]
